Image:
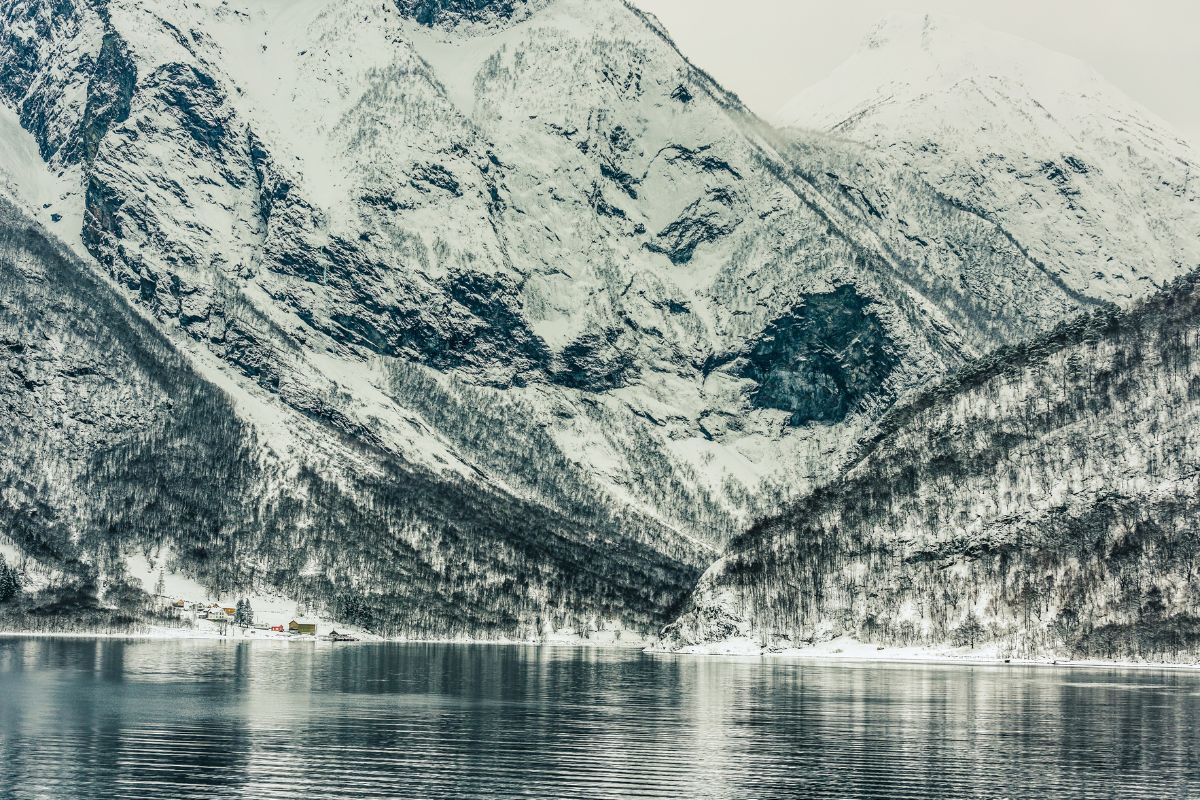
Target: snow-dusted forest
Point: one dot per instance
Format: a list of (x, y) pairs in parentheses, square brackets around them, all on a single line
[(1039, 502)]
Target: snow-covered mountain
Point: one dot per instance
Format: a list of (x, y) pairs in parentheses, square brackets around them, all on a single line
[(1093, 186), (120, 449), (523, 249), (1041, 502)]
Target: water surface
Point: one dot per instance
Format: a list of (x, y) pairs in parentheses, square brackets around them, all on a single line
[(86, 718)]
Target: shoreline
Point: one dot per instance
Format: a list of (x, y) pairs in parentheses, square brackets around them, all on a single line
[(850, 651), (879, 657), (169, 635)]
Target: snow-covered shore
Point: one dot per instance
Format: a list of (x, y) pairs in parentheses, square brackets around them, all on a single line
[(167, 634), (834, 651), (851, 650)]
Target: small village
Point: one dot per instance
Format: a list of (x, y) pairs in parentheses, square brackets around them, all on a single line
[(240, 620)]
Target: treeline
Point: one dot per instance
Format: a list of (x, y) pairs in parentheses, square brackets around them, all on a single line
[(508, 439), (1040, 501)]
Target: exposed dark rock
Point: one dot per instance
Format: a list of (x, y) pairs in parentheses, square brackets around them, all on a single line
[(383, 201), (452, 12), (613, 172), (821, 360), (706, 220), (1077, 164), (469, 320), (197, 102), (605, 209), (682, 94), (504, 334), (102, 228), (699, 158), (620, 140), (110, 92), (1055, 174), (424, 176), (594, 362), (273, 188), (860, 199), (44, 90)]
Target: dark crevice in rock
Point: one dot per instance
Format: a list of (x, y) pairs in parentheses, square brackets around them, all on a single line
[(273, 188), (110, 94)]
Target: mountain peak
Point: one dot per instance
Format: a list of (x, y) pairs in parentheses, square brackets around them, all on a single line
[(951, 47), (906, 29), (1001, 123)]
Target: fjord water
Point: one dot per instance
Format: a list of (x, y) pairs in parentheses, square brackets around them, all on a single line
[(83, 718)]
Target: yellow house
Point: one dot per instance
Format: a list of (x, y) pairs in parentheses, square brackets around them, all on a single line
[(303, 628)]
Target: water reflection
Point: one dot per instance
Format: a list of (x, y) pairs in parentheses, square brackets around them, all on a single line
[(112, 719)]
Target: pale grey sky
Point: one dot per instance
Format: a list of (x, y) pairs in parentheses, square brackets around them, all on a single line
[(767, 50)]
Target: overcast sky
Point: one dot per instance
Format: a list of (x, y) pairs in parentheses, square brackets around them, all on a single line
[(768, 50)]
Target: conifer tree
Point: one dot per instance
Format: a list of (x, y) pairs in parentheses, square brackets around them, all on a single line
[(10, 583)]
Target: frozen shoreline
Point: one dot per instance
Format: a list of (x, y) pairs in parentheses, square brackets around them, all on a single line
[(848, 650), (858, 653), (174, 634)]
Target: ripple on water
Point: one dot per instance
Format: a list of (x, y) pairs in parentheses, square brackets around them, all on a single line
[(214, 720)]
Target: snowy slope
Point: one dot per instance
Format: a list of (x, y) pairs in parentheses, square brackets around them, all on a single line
[(1091, 184), (25, 181), (120, 450)]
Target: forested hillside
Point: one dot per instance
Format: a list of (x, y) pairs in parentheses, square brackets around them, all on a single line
[(1042, 501), (114, 446)]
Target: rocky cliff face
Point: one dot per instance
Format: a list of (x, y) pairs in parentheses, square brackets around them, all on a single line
[(442, 231), (453, 13), (561, 206), (1039, 503)]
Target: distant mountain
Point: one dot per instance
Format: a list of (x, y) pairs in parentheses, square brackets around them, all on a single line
[(1093, 186), (1041, 502), (568, 309)]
